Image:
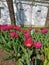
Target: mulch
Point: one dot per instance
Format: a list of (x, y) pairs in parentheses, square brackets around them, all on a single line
[(4, 55)]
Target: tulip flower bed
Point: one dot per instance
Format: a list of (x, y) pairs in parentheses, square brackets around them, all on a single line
[(23, 44)]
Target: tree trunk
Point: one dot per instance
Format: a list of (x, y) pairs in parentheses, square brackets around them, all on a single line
[(11, 11), (47, 21)]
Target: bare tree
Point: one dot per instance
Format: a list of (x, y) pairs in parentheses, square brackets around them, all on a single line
[(11, 11)]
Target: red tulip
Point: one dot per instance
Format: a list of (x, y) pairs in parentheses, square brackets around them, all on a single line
[(6, 27), (10, 27), (3, 27), (41, 28), (18, 28), (28, 43), (0, 27), (38, 45), (30, 28), (36, 30), (24, 31), (16, 35), (12, 34), (27, 35)]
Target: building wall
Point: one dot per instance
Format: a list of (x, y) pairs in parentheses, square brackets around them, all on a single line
[(5, 13), (28, 13), (4, 19)]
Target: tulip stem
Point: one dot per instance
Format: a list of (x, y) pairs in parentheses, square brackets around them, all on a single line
[(35, 61), (28, 58)]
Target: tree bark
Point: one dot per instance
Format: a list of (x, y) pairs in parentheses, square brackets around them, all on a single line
[(11, 11), (47, 20)]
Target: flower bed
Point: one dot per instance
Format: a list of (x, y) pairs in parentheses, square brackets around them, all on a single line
[(25, 45)]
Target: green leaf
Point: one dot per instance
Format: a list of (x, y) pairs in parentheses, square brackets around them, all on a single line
[(20, 63), (3, 39), (24, 50)]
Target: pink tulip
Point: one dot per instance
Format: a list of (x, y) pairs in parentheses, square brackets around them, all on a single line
[(43, 31), (37, 45), (14, 35)]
